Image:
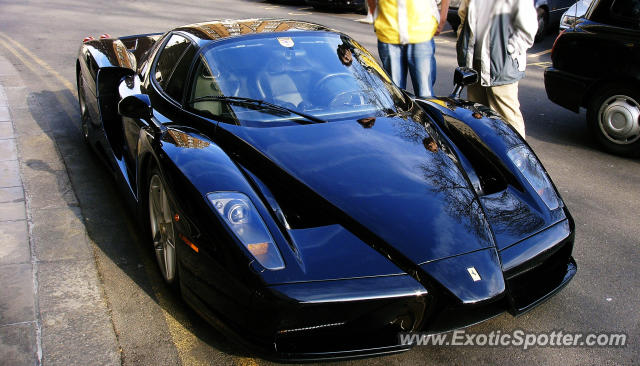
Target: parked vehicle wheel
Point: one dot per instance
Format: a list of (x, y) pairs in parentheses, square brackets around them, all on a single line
[(162, 230), (543, 20), (614, 119), (84, 112)]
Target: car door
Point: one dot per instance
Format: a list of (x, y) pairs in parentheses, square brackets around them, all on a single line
[(167, 77)]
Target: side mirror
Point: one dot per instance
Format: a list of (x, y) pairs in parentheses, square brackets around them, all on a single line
[(136, 106), (462, 77)]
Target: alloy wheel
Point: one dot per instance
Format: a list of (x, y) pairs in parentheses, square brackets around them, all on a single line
[(162, 230), (84, 113)]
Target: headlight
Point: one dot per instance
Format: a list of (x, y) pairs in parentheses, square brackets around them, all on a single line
[(568, 21), (243, 219), (532, 170)]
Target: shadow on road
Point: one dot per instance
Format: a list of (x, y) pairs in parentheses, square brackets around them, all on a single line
[(126, 262)]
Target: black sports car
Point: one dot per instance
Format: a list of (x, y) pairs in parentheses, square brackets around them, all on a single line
[(303, 203)]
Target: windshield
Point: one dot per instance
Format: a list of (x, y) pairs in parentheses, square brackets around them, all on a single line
[(324, 75)]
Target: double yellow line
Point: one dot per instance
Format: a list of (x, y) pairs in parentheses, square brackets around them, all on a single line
[(177, 323), (36, 66)]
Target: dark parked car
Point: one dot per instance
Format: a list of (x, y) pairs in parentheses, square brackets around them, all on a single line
[(549, 14), (303, 204), (452, 15), (596, 65), (359, 6)]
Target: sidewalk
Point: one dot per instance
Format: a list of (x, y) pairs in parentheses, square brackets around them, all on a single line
[(52, 308)]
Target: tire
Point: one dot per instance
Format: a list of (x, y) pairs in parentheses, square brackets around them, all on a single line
[(613, 115), (85, 118), (161, 229), (543, 21)]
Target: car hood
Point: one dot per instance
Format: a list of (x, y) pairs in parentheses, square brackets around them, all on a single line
[(395, 177)]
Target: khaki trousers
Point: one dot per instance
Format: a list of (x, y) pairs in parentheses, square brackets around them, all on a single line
[(502, 99)]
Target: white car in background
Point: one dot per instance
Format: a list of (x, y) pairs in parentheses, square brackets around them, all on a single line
[(575, 12)]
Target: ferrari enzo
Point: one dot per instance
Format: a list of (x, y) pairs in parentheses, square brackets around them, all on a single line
[(303, 204)]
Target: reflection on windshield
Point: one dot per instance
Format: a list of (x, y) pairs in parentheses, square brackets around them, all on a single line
[(323, 75)]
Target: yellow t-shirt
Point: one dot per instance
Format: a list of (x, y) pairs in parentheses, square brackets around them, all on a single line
[(405, 21)]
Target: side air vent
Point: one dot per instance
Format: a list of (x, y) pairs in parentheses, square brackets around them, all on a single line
[(292, 206), (491, 175)]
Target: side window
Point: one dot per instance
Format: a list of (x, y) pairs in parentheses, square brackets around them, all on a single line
[(169, 58), (178, 79), (618, 13), (206, 84), (626, 13)]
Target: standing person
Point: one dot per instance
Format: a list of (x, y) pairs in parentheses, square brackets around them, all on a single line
[(405, 30), (493, 38)]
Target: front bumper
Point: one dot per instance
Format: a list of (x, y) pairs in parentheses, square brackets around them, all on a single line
[(539, 266), (363, 317)]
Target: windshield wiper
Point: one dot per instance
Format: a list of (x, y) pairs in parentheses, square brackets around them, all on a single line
[(255, 102)]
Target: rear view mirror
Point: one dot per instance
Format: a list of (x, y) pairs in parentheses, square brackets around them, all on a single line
[(462, 77), (136, 106)]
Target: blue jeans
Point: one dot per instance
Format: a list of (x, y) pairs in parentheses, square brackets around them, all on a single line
[(419, 58)]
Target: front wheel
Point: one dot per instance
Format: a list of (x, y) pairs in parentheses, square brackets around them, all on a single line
[(84, 112), (614, 119), (163, 235)]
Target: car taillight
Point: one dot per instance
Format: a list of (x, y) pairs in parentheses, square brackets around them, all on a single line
[(105, 36), (87, 39)]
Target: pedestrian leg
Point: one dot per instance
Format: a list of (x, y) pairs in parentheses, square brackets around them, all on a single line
[(504, 100)]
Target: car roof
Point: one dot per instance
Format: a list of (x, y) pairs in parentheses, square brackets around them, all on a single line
[(220, 29)]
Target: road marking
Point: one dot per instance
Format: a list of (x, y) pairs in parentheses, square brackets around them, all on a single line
[(40, 62), (303, 13), (445, 32), (245, 361), (68, 108), (540, 53), (177, 323), (364, 20), (541, 65)]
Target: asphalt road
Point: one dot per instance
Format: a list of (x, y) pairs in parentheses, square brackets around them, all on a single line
[(154, 327)]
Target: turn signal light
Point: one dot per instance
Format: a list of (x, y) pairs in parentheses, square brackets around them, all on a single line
[(189, 243), (258, 249)]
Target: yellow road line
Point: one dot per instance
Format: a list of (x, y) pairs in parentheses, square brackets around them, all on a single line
[(540, 53), (178, 325), (40, 62), (543, 64), (245, 361), (64, 103)]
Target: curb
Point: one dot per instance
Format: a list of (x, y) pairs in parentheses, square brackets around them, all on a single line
[(52, 306)]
